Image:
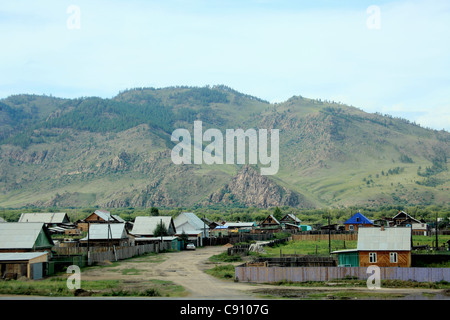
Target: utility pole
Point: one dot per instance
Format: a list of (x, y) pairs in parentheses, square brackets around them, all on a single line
[(204, 227), (436, 228), (89, 225), (161, 230), (329, 233)]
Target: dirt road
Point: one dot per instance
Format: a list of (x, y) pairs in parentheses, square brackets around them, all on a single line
[(184, 268)]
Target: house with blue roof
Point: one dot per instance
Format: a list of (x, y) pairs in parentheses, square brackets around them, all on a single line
[(356, 221)]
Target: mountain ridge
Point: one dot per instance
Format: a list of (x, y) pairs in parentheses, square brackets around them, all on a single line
[(116, 152)]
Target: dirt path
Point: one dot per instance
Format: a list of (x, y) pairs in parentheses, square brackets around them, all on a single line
[(185, 268)]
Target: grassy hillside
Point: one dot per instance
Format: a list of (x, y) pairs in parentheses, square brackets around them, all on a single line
[(116, 152)]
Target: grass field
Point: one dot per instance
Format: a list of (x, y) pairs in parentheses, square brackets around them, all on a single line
[(322, 247)]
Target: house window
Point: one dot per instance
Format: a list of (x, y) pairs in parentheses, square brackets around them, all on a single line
[(393, 257), (372, 257), (350, 227)]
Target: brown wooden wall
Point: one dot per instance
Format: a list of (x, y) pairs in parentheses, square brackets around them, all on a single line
[(356, 226), (383, 259)]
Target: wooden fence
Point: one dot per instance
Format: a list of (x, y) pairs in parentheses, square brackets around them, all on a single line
[(262, 274), (323, 236), (100, 254)]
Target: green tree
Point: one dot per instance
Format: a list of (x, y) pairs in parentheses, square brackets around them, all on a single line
[(160, 230), (184, 237), (154, 212), (278, 214)]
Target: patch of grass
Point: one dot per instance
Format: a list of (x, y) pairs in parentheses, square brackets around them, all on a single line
[(131, 271), (309, 247), (222, 272), (344, 295), (57, 287), (224, 257)]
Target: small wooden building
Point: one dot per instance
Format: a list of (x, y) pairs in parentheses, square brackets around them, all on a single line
[(98, 216), (383, 247), (144, 226), (402, 219), (290, 219), (357, 221), (270, 221), (14, 265), (104, 235)]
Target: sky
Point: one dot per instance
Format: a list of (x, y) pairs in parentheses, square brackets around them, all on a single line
[(391, 57)]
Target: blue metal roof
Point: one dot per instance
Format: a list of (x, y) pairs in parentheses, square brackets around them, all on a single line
[(358, 218)]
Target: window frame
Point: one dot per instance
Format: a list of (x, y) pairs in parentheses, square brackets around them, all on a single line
[(395, 255)]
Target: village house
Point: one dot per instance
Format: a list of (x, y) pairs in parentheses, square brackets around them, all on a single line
[(269, 225), (98, 216), (105, 235), (24, 249), (191, 225), (145, 226), (357, 221), (56, 222), (291, 222), (25, 237), (383, 247), (402, 219)]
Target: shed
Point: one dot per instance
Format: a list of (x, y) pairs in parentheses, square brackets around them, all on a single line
[(144, 226), (24, 237), (14, 265), (107, 234), (356, 221)]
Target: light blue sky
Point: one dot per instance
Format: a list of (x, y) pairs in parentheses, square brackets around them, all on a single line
[(269, 49)]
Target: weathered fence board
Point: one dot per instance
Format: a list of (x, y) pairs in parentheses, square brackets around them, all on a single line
[(319, 237), (301, 274)]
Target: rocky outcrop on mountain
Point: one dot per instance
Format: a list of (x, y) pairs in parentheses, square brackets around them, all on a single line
[(250, 188)]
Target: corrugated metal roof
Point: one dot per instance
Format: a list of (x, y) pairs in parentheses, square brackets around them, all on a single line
[(102, 231), (240, 224), (190, 217), (16, 235), (105, 215), (144, 225), (45, 217), (20, 256), (387, 239)]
